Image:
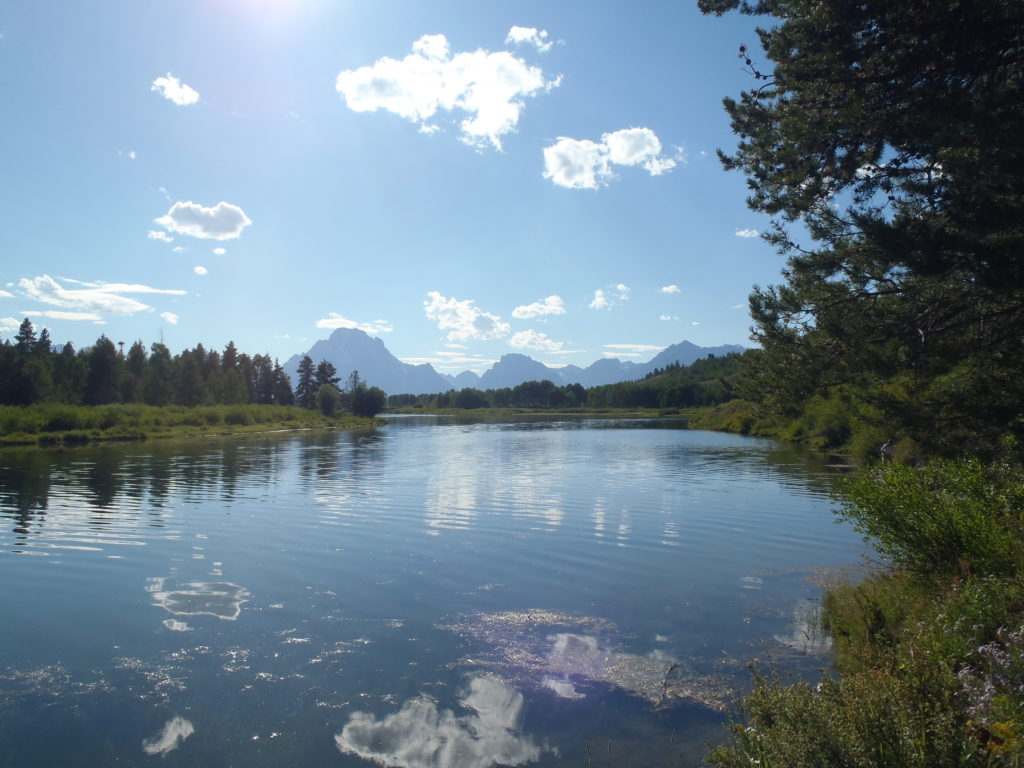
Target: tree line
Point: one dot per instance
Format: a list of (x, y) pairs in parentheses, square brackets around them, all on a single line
[(35, 370), (706, 382)]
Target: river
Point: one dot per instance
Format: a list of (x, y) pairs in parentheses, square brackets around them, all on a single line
[(433, 593)]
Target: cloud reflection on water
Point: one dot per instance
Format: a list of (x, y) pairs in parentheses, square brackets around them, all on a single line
[(174, 732), (212, 598), (420, 735)]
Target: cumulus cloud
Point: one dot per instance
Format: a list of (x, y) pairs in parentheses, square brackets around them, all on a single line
[(173, 89), (667, 318), (462, 319), (6, 294), (534, 340), (747, 233), (175, 731), (334, 320), (220, 251), (586, 164), (488, 87), (420, 735), (170, 318), (156, 234), (223, 221), (200, 270), (9, 324), (669, 289), (552, 305), (95, 298), (531, 36), (606, 299)]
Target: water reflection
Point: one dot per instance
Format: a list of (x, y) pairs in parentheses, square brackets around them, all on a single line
[(174, 732), (420, 735), (214, 598)]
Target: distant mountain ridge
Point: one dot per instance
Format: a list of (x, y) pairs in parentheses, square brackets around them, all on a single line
[(349, 349)]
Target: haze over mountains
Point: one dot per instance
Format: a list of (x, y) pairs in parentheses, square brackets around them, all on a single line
[(349, 349)]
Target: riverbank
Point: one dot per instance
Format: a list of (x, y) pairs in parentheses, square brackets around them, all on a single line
[(67, 425), (930, 649), (491, 414)]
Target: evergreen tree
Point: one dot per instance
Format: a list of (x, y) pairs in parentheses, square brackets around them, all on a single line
[(305, 389), (283, 394), (325, 373), (890, 133), (101, 383), (159, 384)]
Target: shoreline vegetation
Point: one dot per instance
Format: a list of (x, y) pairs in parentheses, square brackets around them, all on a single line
[(61, 426), (883, 141)]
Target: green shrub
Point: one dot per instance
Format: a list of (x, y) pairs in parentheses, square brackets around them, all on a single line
[(236, 416), (950, 517)]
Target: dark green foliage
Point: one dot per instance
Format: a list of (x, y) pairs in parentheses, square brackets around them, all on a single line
[(305, 389), (703, 382), (368, 401), (887, 136), (328, 399), (33, 371)]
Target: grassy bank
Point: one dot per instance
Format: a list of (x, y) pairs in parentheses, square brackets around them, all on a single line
[(62, 425), (930, 651), (836, 424)]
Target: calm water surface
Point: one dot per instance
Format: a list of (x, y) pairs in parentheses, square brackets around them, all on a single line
[(430, 594)]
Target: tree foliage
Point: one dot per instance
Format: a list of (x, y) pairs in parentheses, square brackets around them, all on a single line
[(884, 139), (33, 370)]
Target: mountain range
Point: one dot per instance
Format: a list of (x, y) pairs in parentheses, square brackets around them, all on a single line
[(349, 349)]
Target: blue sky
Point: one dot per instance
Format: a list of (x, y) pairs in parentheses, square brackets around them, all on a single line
[(461, 179)]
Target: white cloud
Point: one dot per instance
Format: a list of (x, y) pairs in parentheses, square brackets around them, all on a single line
[(585, 164), (170, 318), (462, 319), (173, 89), (97, 298), (552, 305), (175, 731), (179, 249), (334, 320), (600, 300), (420, 735), (9, 324), (220, 251), (520, 35), (6, 294), (695, 322), (632, 349), (488, 87), (668, 318), (223, 221), (531, 339), (57, 314), (669, 289), (200, 270), (603, 299), (156, 234), (739, 306), (747, 233)]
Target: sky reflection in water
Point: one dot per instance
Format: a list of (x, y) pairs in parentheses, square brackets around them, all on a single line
[(430, 594)]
